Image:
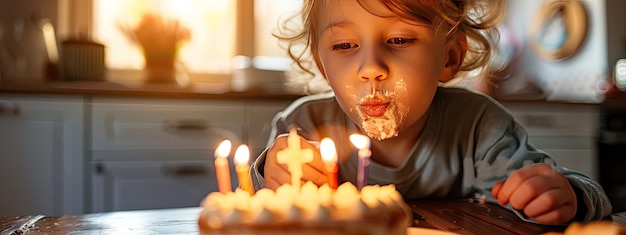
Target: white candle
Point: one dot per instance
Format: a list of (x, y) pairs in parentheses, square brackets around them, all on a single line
[(329, 157), (294, 156), (222, 170), (242, 156), (363, 144)]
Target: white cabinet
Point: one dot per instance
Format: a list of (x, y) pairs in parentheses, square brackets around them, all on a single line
[(41, 154), (568, 132), (149, 153)]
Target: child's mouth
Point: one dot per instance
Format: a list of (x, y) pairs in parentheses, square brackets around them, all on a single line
[(374, 110), (374, 106)]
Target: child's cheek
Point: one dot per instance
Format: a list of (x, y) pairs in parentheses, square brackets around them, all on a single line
[(351, 100)]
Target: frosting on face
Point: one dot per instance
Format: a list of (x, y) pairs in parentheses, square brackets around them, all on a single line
[(310, 204), (382, 113)]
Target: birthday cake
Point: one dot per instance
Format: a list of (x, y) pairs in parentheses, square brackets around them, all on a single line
[(374, 210)]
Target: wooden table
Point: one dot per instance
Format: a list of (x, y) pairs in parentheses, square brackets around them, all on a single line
[(461, 217)]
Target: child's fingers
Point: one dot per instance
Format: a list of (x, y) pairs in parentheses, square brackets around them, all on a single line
[(276, 178), (560, 215), (548, 201), (518, 177), (532, 189), (496, 189), (506, 190), (314, 174), (277, 174), (272, 182)]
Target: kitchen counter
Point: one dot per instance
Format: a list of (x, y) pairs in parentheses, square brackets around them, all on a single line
[(130, 88)]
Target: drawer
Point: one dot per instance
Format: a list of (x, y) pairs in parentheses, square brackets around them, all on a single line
[(556, 119), (139, 185), (122, 124)]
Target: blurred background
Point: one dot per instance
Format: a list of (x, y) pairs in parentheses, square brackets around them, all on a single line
[(119, 104)]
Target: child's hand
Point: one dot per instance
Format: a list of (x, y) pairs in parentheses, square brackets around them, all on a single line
[(541, 192), (277, 174)]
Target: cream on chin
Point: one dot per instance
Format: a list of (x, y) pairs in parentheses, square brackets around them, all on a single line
[(380, 128)]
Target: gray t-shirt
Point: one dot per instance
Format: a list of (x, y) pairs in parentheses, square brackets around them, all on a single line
[(469, 143)]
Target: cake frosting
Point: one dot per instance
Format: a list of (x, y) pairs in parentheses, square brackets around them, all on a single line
[(310, 209)]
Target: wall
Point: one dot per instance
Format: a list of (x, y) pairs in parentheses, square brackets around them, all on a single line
[(573, 79)]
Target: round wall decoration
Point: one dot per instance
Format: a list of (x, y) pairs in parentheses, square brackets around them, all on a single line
[(559, 29)]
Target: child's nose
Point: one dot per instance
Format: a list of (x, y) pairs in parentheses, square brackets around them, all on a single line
[(373, 67)]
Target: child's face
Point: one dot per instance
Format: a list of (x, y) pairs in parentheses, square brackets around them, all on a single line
[(384, 71)]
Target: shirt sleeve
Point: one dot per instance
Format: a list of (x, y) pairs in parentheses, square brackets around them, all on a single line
[(512, 151), (256, 171)]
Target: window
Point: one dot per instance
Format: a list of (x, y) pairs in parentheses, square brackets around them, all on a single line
[(219, 30)]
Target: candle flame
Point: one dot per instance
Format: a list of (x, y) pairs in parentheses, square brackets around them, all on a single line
[(223, 149), (360, 141), (328, 150), (242, 154)]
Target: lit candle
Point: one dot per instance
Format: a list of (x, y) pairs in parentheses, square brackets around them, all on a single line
[(222, 171), (294, 156), (363, 144), (242, 155), (329, 157)]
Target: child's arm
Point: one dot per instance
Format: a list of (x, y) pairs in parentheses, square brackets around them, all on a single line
[(511, 157)]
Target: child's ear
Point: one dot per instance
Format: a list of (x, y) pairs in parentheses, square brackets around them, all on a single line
[(457, 47)]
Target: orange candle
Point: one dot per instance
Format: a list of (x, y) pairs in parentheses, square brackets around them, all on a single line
[(222, 170), (329, 157), (242, 156)]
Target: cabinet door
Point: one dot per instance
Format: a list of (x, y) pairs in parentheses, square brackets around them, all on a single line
[(41, 155), (150, 153), (133, 185)]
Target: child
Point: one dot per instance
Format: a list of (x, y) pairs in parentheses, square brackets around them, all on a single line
[(385, 61)]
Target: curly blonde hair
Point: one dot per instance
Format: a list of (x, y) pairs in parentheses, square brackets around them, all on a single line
[(477, 19)]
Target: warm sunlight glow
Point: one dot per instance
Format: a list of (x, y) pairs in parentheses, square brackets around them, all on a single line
[(212, 24), (360, 141), (223, 149), (242, 154), (267, 14), (328, 151)]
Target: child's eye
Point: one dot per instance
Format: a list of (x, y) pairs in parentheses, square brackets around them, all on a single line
[(400, 41), (344, 46)]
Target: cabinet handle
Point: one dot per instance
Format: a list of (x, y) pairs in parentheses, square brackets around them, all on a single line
[(186, 125), (185, 170), (99, 168), (10, 108)]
